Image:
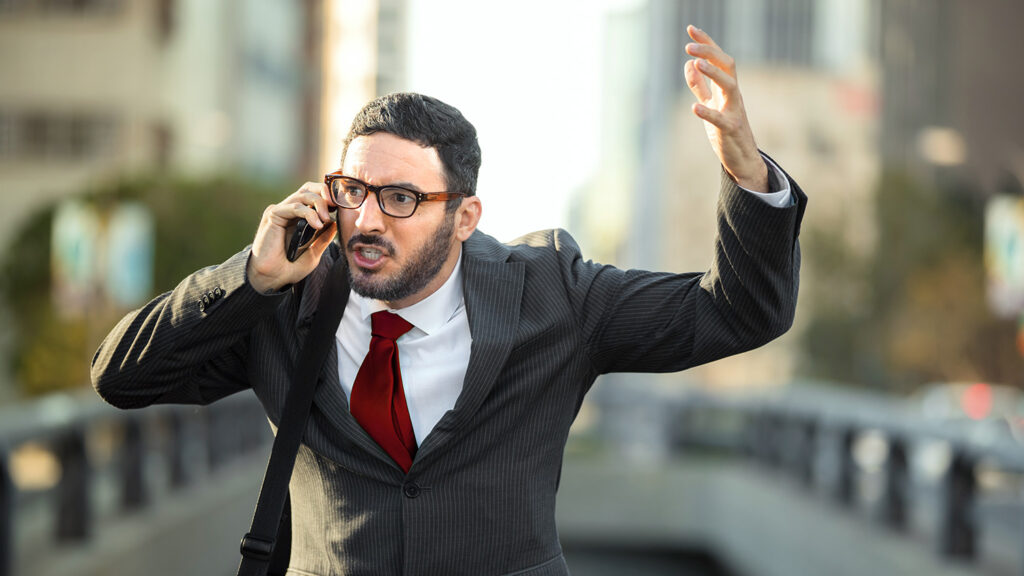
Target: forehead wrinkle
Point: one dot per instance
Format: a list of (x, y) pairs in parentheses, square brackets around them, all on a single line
[(382, 159)]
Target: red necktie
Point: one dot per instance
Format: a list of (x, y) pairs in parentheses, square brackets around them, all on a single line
[(378, 400)]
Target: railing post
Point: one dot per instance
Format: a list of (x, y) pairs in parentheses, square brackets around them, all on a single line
[(957, 532), (177, 446), (683, 428), (74, 512), (216, 436), (894, 500), (234, 414), (766, 437), (6, 515), (775, 436), (752, 437), (808, 451), (133, 456), (847, 467)]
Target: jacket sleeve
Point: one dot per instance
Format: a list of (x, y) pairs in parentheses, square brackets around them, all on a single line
[(185, 346), (637, 321)]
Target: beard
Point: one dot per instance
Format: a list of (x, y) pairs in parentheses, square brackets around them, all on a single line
[(423, 265)]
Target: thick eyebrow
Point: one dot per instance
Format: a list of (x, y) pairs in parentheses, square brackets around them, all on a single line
[(400, 184), (408, 185)]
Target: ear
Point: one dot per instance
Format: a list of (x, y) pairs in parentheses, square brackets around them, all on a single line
[(467, 217)]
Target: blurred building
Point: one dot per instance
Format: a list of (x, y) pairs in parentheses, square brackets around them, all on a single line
[(364, 50), (808, 75), (952, 129), (952, 89), (601, 213), (95, 89)]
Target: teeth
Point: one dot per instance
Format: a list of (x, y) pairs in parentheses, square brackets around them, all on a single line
[(371, 254)]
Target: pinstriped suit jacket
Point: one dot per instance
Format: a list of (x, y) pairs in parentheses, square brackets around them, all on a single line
[(480, 496)]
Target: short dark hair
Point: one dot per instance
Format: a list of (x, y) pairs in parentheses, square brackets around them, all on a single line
[(428, 122)]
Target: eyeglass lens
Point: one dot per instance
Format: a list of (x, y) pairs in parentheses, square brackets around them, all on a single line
[(396, 201)]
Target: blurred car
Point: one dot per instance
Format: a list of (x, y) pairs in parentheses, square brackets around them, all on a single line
[(986, 413)]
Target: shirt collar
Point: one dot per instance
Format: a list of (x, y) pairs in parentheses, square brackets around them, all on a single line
[(428, 314)]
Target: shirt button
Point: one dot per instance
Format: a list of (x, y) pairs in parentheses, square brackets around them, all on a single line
[(411, 490)]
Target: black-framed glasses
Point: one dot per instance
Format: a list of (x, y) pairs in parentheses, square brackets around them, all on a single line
[(395, 201)]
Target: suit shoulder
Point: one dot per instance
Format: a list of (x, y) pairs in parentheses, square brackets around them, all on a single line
[(544, 244)]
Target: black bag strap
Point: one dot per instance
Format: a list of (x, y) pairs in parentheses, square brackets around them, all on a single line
[(258, 545)]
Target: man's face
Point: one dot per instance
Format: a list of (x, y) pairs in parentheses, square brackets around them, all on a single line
[(398, 260)]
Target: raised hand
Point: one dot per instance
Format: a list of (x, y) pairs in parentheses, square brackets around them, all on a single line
[(720, 105), (268, 269)]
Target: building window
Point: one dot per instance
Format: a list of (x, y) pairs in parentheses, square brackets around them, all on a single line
[(56, 136), (6, 135), (165, 20), (709, 16), (61, 7), (163, 144), (789, 31)]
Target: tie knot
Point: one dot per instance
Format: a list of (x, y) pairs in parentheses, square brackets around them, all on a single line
[(384, 324)]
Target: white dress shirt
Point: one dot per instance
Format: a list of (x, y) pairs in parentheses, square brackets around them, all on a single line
[(781, 199), (434, 355)]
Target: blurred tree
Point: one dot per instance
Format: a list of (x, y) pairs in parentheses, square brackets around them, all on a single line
[(922, 316), (198, 223)]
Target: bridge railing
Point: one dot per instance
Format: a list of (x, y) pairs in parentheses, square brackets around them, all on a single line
[(66, 461), (959, 484)]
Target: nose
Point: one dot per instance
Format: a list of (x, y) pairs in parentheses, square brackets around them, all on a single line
[(370, 218)]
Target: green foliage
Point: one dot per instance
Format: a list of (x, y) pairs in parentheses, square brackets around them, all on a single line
[(198, 223), (920, 314)]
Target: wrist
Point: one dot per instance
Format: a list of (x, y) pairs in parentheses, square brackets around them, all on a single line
[(756, 180), (260, 283)]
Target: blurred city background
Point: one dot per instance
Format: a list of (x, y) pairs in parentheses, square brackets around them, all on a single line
[(884, 434)]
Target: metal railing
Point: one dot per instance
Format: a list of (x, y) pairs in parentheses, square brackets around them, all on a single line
[(136, 454), (836, 444), (833, 441)]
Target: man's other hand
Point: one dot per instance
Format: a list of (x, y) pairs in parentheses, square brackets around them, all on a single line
[(720, 106), (268, 268)]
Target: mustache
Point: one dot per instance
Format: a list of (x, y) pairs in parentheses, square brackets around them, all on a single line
[(370, 241)]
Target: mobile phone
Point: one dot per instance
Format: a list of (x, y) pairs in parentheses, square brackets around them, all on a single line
[(302, 237)]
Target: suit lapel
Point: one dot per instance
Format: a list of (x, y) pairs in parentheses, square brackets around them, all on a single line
[(493, 289), (331, 401), (329, 397)]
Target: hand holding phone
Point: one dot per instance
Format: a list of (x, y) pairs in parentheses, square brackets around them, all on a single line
[(303, 237), (291, 237)]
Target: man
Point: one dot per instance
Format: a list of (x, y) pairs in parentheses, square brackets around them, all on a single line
[(500, 346)]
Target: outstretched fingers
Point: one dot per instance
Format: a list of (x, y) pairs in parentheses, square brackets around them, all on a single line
[(725, 81), (721, 121), (720, 105), (695, 80), (703, 46)]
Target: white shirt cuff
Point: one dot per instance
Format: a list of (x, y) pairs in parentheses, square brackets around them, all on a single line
[(781, 199)]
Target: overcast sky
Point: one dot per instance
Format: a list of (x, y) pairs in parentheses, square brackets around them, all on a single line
[(527, 75)]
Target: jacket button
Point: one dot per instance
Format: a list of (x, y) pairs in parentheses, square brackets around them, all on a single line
[(411, 490)]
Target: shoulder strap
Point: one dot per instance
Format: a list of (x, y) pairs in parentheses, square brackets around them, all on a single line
[(258, 545)]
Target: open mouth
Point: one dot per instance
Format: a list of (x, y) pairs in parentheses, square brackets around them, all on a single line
[(369, 257), (371, 254)]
